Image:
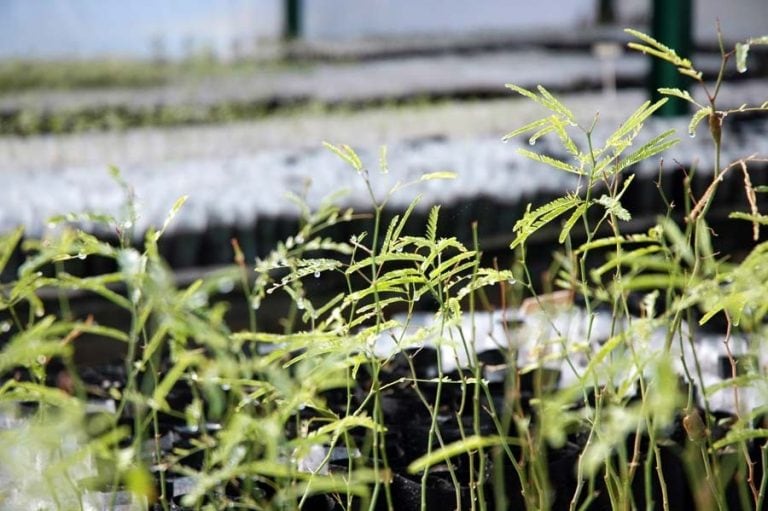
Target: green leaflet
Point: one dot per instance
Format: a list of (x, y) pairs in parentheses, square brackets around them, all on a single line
[(740, 435), (634, 122), (383, 161), (682, 94), (397, 225), (437, 175), (614, 240), (696, 118), (384, 258), (486, 277), (651, 148), (552, 162), (626, 258), (171, 214), (742, 49), (614, 207), (469, 444), (549, 128), (654, 47), (677, 238), (548, 101), (560, 128), (568, 225), (759, 218), (8, 243), (535, 125), (741, 57), (434, 213), (651, 281), (536, 219), (347, 154)]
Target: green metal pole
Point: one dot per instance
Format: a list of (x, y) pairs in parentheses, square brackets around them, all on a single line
[(671, 25), (292, 12), (606, 12)]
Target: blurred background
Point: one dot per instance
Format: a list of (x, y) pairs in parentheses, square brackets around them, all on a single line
[(228, 102)]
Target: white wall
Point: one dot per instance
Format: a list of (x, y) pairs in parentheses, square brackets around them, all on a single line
[(134, 28), (141, 28), (739, 19), (350, 19)]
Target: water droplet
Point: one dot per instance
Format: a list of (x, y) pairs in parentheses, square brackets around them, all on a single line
[(299, 239), (692, 134), (270, 290), (353, 239), (531, 141), (39, 312), (5, 326), (225, 286), (255, 302), (42, 359), (199, 299), (511, 282), (399, 250), (81, 256), (300, 304), (317, 274)]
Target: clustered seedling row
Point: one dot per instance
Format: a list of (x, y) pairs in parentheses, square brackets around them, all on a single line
[(361, 403)]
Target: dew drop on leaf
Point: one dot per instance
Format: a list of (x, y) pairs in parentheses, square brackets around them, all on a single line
[(225, 286)]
